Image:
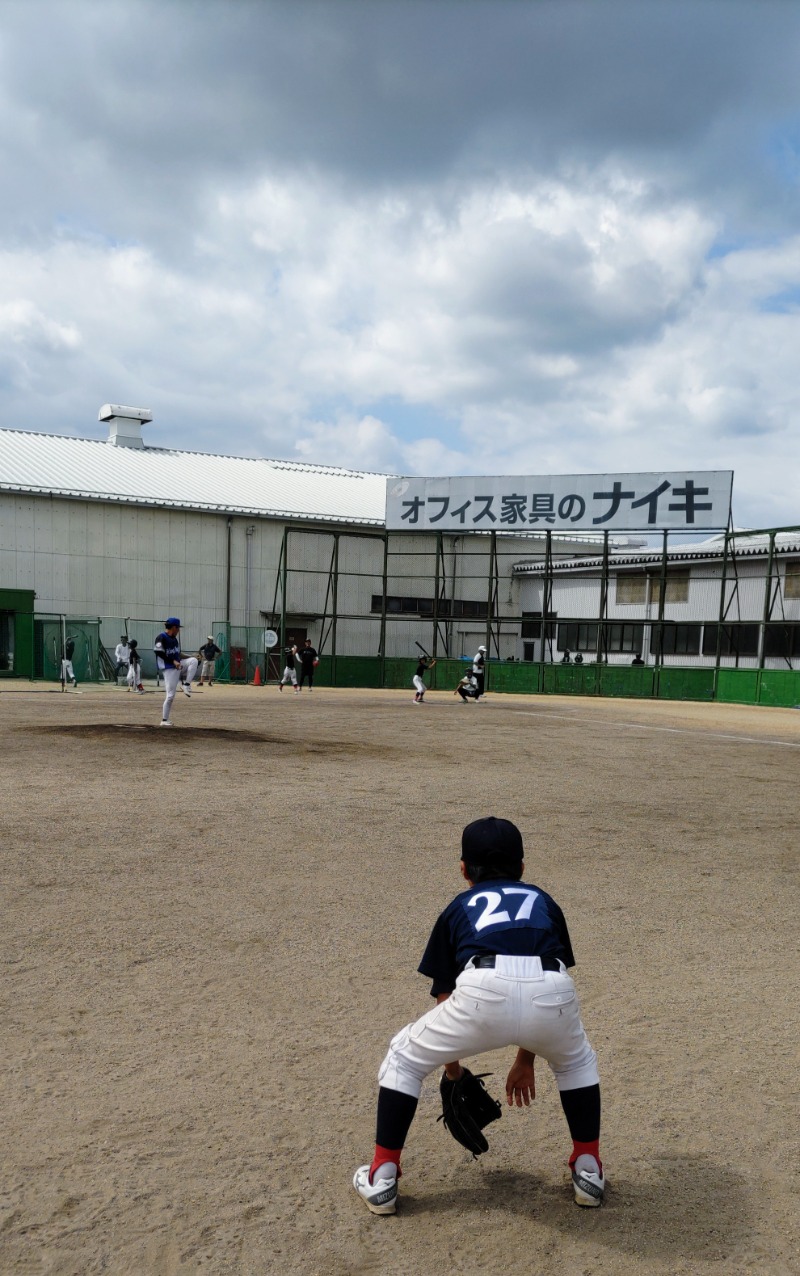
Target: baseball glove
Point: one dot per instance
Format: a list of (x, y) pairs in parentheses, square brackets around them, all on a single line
[(467, 1107)]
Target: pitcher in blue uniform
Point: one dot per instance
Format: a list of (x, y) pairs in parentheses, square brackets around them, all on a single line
[(498, 958), (174, 668)]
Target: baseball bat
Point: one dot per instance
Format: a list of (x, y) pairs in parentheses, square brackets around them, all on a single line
[(422, 649)]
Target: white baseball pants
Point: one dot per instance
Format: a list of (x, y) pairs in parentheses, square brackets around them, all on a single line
[(171, 679), (516, 1004), (419, 684)]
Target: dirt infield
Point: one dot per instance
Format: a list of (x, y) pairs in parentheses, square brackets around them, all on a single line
[(210, 933)]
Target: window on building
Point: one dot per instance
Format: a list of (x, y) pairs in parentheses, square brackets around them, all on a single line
[(782, 639), (675, 640), (577, 636), (736, 639), (532, 625), (631, 589), (528, 651), (624, 638), (677, 588), (408, 606), (792, 582), (465, 607)]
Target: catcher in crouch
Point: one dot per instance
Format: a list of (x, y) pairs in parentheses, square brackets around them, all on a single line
[(498, 958)]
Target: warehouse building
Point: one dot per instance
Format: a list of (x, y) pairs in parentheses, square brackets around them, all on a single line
[(105, 536)]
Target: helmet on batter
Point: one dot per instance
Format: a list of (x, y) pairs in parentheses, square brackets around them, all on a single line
[(170, 621), (484, 841)]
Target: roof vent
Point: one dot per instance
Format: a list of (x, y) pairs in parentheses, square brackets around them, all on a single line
[(124, 424)]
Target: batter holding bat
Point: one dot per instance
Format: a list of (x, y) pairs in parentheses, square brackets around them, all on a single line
[(426, 662), (498, 958)]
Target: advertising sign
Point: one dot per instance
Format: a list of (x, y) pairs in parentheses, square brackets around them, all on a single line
[(691, 500)]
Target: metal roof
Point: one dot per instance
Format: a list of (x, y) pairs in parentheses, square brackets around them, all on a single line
[(94, 470), (741, 545)]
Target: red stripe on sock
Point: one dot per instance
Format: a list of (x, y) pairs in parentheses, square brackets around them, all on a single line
[(586, 1149)]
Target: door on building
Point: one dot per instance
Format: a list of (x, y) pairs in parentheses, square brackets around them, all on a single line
[(6, 641)]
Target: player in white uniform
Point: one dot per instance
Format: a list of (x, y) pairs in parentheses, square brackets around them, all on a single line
[(122, 655), (425, 663), (134, 674), (498, 957), (467, 688), (67, 670), (479, 670), (289, 670), (174, 669)]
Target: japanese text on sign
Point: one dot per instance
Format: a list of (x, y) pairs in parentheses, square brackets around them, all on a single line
[(619, 502)]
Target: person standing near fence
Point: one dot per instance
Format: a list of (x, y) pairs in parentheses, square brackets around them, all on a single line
[(122, 655), (479, 671), (174, 668), (208, 654), (67, 670), (309, 659)]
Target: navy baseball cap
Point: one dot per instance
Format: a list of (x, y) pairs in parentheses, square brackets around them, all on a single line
[(485, 840), (170, 621)]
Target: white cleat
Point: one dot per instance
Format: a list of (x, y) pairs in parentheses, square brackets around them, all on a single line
[(589, 1188), (165, 722), (379, 1197), (185, 689)]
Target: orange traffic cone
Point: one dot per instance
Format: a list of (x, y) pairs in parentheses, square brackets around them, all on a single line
[(257, 679)]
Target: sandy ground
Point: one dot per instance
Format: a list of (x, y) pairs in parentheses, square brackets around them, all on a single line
[(209, 935)]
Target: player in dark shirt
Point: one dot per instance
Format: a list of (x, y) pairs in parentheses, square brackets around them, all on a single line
[(309, 659), (497, 958), (425, 663), (289, 671)]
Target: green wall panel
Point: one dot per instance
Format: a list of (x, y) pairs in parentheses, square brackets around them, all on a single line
[(571, 680), (738, 686), (685, 684), (780, 687), (626, 680), (358, 671), (513, 678)]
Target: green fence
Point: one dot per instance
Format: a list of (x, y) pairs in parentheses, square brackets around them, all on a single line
[(93, 640)]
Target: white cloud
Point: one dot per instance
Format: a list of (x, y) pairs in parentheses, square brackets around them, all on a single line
[(24, 324), (310, 231)]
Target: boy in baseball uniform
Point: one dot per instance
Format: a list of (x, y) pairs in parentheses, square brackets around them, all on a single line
[(498, 958), (289, 671), (174, 669)]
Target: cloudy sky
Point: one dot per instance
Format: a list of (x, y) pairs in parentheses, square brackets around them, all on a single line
[(414, 236)]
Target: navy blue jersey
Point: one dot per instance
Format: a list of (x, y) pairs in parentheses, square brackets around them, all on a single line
[(168, 651), (422, 669), (307, 656), (505, 916)]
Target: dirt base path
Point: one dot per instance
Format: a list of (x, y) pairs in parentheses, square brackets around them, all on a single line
[(209, 935)]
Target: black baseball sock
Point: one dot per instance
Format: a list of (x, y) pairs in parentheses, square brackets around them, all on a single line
[(395, 1114), (582, 1110)]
